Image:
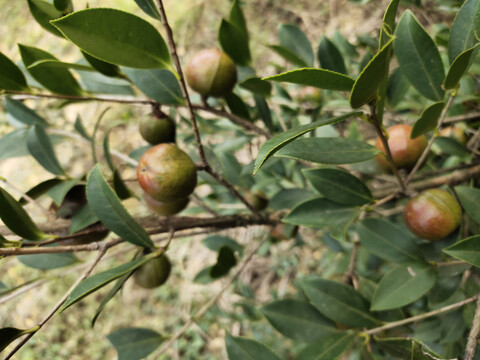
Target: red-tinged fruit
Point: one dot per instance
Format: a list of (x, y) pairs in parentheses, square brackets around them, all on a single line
[(153, 273), (405, 151), (157, 131), (433, 214), (211, 73), (165, 208), (167, 173)]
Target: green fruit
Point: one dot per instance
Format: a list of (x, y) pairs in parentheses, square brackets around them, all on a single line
[(433, 214), (153, 273), (157, 131), (258, 200), (455, 132), (167, 173), (211, 73), (165, 208)]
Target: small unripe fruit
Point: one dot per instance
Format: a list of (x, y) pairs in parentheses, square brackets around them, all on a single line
[(166, 173), (258, 200), (309, 94), (153, 273), (405, 151), (283, 232), (211, 73), (165, 208), (157, 131), (433, 214), (456, 133)]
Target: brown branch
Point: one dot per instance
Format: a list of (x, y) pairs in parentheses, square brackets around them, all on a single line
[(473, 335), (119, 100), (459, 118)]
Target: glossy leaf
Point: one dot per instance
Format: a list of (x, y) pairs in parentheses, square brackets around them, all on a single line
[(297, 319), (403, 285), (107, 206), (62, 5), (277, 142), (288, 55), (48, 261), (234, 43), (17, 219), (134, 343), (327, 348), (121, 189), (97, 281), (428, 120), (114, 36), (321, 78), (216, 242), (467, 250), (39, 189), (294, 39), (240, 348), (150, 8), (288, 198), (11, 77), (237, 106), (160, 85), (459, 67), (10, 334), (329, 150), (388, 241), (365, 88), (225, 261), (339, 302), (43, 12), (98, 83), (57, 80), (330, 57), (18, 113), (339, 186), (256, 86), (101, 66), (58, 191), (41, 149), (50, 63), (397, 87), (419, 58), (470, 200), (237, 18), (83, 218), (464, 31), (264, 111)]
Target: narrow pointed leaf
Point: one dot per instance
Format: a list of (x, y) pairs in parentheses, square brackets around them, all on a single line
[(48, 261), (83, 218), (14, 144), (40, 189), (237, 106), (294, 39), (330, 57), (17, 219), (234, 43), (327, 348), (329, 150), (288, 55), (11, 77), (41, 149), (428, 120), (116, 37), (321, 78), (107, 206), (264, 111), (43, 12), (237, 18), (470, 200), (81, 129), (17, 112), (150, 8), (10, 334), (419, 57), (277, 142), (365, 88), (239, 348), (134, 343), (257, 86), (467, 250), (403, 285), (465, 27), (339, 302), (459, 67), (50, 63), (58, 191)]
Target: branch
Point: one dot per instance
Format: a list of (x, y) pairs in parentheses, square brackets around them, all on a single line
[(459, 118), (473, 335)]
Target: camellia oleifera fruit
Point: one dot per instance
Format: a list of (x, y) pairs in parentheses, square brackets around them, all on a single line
[(258, 200), (211, 73), (167, 173), (405, 151), (153, 273), (433, 214), (165, 208), (157, 131)]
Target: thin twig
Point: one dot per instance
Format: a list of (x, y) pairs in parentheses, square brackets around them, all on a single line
[(473, 335), (198, 200), (459, 118)]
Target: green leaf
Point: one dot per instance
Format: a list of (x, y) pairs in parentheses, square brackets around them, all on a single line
[(257, 86), (216, 242), (56, 80), (10, 334), (62, 5), (330, 57), (327, 348), (470, 200), (106, 149), (402, 348), (450, 146), (329, 150), (237, 106), (14, 144), (321, 78), (467, 250), (298, 320), (150, 8), (50, 63), (40, 189), (98, 83), (388, 241), (397, 87), (225, 261), (239, 348), (288, 55), (107, 206), (101, 66), (419, 58), (48, 261), (288, 198), (121, 189), (459, 67), (264, 111), (58, 191), (134, 343), (83, 218), (403, 285), (40, 147), (277, 142), (464, 31), (17, 219), (11, 77), (365, 88), (294, 39), (97, 281), (234, 43), (339, 186), (43, 12), (17, 112), (237, 18), (116, 37), (339, 302), (428, 120), (80, 128), (160, 85)]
